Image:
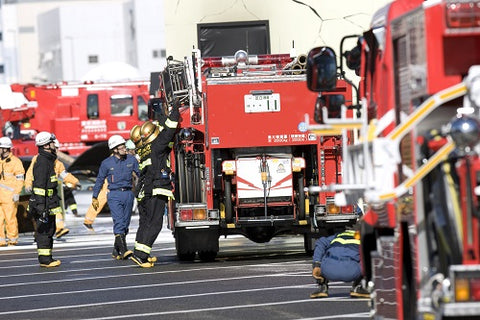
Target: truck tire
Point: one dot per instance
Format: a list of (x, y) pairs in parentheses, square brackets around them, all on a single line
[(228, 200), (207, 256), (186, 256)]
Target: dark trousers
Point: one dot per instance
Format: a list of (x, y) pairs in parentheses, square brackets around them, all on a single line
[(44, 237), (69, 198), (151, 210)]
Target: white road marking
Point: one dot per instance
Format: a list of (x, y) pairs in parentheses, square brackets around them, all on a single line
[(150, 299)]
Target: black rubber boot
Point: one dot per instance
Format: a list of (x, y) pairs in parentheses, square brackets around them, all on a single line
[(322, 291), (116, 247), (123, 250), (358, 289)]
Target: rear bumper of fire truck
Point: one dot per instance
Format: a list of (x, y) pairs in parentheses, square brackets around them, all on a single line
[(462, 298), (325, 218), (463, 309), (196, 216), (465, 292), (196, 228)]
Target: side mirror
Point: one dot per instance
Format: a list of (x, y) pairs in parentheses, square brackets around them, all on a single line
[(321, 69), (333, 102)]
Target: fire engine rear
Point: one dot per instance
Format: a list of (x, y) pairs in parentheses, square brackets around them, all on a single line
[(241, 164)]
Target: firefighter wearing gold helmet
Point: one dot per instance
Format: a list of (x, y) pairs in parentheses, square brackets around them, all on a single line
[(135, 136), (155, 187)]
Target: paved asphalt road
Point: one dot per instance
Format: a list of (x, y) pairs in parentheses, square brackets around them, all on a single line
[(246, 281)]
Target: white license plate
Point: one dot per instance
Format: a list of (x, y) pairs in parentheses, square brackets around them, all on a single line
[(262, 103)]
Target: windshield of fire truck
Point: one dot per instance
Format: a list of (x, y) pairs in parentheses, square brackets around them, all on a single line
[(142, 109), (121, 105)]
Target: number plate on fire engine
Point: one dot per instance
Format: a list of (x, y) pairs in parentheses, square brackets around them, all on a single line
[(262, 103)]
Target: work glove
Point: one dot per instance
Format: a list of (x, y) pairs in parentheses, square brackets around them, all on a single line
[(28, 189), (176, 103), (16, 197), (317, 273), (95, 203), (44, 216)]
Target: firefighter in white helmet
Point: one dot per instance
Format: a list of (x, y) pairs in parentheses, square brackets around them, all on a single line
[(44, 203), (64, 178), (11, 184), (119, 169), (155, 186)]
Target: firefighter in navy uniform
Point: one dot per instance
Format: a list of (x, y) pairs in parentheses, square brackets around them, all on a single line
[(155, 186), (120, 170), (44, 203), (337, 258)]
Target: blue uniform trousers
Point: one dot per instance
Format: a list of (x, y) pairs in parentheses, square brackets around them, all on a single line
[(340, 269), (120, 204)]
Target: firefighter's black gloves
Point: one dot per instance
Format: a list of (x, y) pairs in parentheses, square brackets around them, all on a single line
[(176, 103), (44, 216)]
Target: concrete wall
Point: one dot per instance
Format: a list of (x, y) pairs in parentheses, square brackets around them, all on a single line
[(288, 20)]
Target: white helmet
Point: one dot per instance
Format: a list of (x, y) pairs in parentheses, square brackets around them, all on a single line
[(57, 143), (115, 141), (130, 145), (44, 138), (6, 142)]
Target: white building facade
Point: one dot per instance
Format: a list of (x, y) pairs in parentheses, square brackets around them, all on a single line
[(51, 41)]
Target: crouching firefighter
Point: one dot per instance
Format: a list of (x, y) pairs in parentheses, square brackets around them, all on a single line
[(155, 184), (120, 170), (44, 203), (337, 258)]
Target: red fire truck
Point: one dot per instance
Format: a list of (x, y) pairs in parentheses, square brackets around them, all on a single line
[(241, 163), (81, 115), (416, 164)]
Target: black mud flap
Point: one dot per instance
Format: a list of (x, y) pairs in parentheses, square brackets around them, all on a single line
[(189, 241)]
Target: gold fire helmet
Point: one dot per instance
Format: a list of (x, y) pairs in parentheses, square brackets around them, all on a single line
[(149, 131), (135, 136)]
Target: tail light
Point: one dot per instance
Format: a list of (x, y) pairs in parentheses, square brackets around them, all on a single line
[(463, 14), (229, 167), (467, 289), (192, 213), (466, 282), (298, 164), (332, 208), (199, 214), (186, 214)]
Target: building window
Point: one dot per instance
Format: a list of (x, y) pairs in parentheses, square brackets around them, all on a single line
[(159, 53), (1, 36), (2, 68), (93, 59)]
